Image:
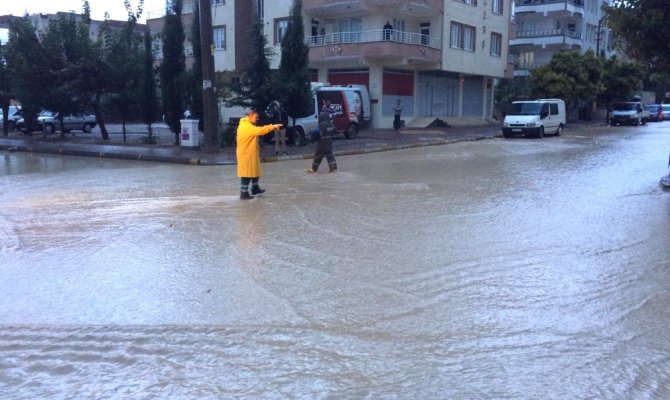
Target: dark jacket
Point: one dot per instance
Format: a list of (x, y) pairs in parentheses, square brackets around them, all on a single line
[(326, 127)]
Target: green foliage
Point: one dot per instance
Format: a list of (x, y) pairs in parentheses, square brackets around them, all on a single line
[(125, 56), (173, 67), (570, 76), (643, 25), (509, 90), (194, 87), (5, 88), (293, 87), (149, 102), (255, 88), (31, 76), (620, 79)]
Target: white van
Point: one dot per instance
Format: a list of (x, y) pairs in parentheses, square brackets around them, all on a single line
[(629, 113), (535, 118), (349, 105)]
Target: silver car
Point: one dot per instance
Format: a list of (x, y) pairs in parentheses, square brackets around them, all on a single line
[(666, 111), (49, 122)]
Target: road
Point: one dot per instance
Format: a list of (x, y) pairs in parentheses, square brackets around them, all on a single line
[(503, 268)]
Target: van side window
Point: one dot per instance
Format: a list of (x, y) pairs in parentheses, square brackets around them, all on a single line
[(545, 109), (554, 108)]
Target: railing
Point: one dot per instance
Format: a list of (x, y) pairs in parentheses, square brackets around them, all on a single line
[(549, 32), (380, 35), (578, 3)]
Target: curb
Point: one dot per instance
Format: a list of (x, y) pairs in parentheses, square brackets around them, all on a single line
[(138, 154)]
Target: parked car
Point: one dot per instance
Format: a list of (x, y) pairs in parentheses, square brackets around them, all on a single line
[(14, 115), (666, 111), (655, 112), (49, 122)]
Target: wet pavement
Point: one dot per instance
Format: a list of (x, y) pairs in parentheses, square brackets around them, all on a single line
[(490, 269), (132, 146)]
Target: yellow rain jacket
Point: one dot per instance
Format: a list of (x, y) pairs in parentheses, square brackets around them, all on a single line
[(248, 159)]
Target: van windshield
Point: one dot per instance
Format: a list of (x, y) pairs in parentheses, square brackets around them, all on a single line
[(624, 106), (526, 109)]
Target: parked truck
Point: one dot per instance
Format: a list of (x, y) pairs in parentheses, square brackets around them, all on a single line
[(629, 113)]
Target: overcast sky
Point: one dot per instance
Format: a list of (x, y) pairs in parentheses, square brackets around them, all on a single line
[(115, 8)]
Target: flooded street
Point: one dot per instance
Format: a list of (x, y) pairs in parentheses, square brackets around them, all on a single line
[(504, 268)]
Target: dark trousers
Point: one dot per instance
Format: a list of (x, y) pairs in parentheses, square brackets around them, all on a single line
[(324, 148), (244, 183), (396, 122)]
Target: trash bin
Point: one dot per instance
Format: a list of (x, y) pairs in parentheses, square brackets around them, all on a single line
[(189, 133)]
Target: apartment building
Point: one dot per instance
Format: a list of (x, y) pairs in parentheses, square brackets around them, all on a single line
[(441, 58), (544, 27)]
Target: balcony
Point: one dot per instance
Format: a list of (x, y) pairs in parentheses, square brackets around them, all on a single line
[(548, 37), (568, 7), (376, 46), (328, 9)]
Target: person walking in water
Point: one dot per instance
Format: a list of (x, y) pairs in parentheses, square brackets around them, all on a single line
[(324, 146), (248, 159)]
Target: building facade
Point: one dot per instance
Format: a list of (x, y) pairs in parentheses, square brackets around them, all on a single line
[(441, 58), (544, 27)]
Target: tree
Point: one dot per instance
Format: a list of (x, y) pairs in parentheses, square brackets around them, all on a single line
[(65, 52), (293, 87), (173, 67), (149, 104), (643, 25), (125, 55), (194, 87), (570, 76), (5, 90), (255, 89), (25, 63), (619, 79)]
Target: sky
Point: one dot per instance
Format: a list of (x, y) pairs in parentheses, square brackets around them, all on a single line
[(115, 8)]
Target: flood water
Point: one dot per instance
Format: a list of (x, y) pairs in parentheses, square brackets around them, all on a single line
[(506, 269)]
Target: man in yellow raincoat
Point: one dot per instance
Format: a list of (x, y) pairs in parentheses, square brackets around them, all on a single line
[(248, 159)]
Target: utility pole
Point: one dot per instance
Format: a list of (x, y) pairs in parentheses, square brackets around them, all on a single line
[(209, 111)]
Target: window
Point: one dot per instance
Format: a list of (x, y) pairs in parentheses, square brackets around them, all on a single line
[(218, 2), (471, 2), (496, 44), (349, 30), (497, 6), (462, 36), (281, 25), (219, 39), (260, 8)]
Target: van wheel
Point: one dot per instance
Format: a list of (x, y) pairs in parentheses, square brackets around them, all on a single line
[(559, 131), (49, 129), (352, 131), (540, 132), (87, 128)]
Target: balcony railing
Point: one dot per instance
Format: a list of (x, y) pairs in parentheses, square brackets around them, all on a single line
[(549, 32), (378, 35), (578, 3)]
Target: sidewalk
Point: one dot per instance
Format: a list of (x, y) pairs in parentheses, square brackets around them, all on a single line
[(134, 148)]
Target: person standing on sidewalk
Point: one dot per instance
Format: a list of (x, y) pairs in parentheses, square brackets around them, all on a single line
[(397, 110), (248, 159), (324, 146)]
